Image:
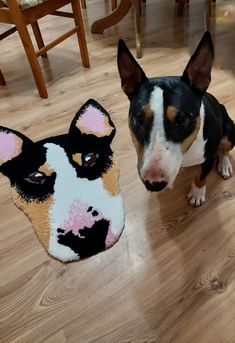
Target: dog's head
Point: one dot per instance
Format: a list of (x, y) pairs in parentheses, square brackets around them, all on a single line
[(164, 112), (67, 184)]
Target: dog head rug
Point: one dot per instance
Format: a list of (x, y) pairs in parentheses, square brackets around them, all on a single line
[(67, 185)]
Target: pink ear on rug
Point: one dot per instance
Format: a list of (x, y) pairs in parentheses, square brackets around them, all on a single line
[(93, 121), (10, 146)]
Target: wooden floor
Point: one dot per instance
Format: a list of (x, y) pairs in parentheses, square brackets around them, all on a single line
[(171, 277)]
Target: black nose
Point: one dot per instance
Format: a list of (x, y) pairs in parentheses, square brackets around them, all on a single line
[(155, 186)]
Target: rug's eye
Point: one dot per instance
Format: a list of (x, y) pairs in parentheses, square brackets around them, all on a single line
[(89, 160), (37, 178)]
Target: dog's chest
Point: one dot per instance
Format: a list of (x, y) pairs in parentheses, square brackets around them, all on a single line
[(195, 154)]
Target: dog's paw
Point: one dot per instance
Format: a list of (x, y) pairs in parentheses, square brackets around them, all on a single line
[(225, 168), (197, 196)]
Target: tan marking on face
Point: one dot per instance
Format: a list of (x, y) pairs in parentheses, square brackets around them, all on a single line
[(108, 129), (38, 213), (139, 149), (225, 145), (45, 169), (110, 178), (77, 158), (148, 111), (198, 182), (189, 140), (171, 113)]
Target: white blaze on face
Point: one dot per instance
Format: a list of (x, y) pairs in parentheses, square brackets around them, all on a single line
[(72, 194), (162, 158)]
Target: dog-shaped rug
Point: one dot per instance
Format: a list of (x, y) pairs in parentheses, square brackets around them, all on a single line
[(67, 185)]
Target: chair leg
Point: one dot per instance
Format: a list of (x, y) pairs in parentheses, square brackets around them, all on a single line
[(137, 4), (29, 49), (80, 32), (33, 60), (207, 14), (38, 36), (83, 4), (114, 4), (2, 80), (181, 7)]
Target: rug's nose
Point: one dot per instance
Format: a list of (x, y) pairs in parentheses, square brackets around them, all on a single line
[(86, 230), (80, 216)]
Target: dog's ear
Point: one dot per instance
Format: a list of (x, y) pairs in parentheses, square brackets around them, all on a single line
[(93, 119), (11, 144), (131, 74), (198, 70)]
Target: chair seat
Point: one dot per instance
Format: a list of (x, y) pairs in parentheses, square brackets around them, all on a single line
[(25, 3)]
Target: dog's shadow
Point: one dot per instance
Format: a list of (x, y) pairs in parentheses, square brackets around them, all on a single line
[(187, 265)]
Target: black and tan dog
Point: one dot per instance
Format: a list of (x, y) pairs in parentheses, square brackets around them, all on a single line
[(175, 123)]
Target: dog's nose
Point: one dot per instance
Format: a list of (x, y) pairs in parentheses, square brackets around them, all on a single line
[(155, 186)]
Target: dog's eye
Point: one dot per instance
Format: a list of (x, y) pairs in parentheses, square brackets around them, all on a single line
[(139, 119), (36, 178), (90, 159), (180, 119)]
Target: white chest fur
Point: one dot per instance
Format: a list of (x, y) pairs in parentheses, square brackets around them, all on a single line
[(195, 154)]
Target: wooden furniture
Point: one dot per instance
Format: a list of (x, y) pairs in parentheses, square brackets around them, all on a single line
[(120, 12), (123, 8), (13, 14), (207, 10), (183, 3), (2, 80)]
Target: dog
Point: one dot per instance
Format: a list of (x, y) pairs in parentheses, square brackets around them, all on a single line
[(175, 123), (67, 184)]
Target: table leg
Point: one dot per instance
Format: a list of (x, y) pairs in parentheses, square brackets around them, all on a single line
[(2, 80), (100, 25), (137, 5), (181, 7)]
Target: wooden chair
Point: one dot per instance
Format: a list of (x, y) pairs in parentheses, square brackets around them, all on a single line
[(12, 13)]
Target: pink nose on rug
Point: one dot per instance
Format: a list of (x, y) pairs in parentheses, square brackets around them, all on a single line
[(80, 216), (83, 216)]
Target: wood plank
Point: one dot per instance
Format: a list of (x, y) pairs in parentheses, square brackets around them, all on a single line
[(171, 276)]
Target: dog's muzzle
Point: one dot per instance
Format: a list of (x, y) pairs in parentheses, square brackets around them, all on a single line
[(155, 186)]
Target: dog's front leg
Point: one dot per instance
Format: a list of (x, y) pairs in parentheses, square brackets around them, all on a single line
[(197, 195), (225, 168)]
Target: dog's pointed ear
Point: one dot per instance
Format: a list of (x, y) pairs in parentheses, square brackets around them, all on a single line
[(131, 74), (11, 144), (198, 70), (93, 119)]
